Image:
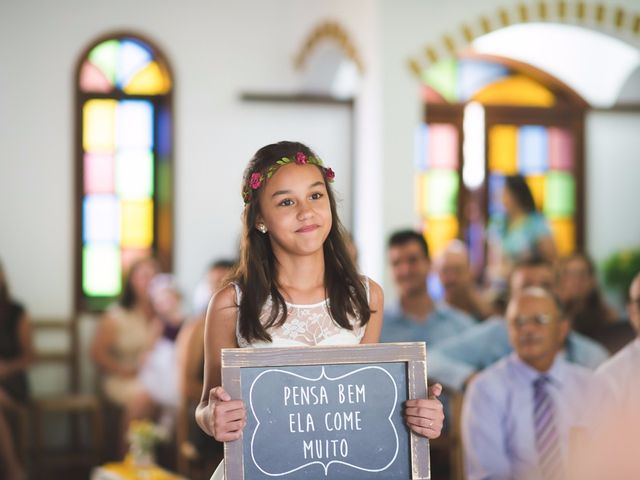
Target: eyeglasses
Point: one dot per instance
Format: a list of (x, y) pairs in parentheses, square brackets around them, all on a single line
[(539, 319)]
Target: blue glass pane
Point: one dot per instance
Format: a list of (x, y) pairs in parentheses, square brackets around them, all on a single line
[(134, 125), (132, 57), (100, 219), (533, 149), (164, 132), (474, 75), (496, 187), (421, 145)]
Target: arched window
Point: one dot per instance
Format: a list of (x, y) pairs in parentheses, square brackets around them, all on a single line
[(123, 160)]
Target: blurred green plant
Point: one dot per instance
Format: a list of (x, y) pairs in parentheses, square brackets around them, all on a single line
[(620, 268)]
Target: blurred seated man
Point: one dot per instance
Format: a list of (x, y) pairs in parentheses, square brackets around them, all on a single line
[(415, 317), (454, 270), (518, 413), (454, 361)]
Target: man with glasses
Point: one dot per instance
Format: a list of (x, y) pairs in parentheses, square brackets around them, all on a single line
[(518, 413), (456, 360)]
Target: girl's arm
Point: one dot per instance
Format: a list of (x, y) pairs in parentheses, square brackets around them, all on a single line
[(376, 304), (217, 414)]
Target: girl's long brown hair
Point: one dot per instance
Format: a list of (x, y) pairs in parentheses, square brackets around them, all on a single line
[(256, 273)]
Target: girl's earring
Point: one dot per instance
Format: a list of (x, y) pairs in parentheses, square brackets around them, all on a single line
[(262, 227)]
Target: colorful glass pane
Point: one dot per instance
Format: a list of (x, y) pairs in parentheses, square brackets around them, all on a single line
[(151, 80), (163, 173), (92, 79), (496, 187), (105, 57), (440, 231), (132, 57), (99, 125), (100, 219), (422, 186), (564, 235), (533, 149), (135, 124), (443, 146), (561, 149), (136, 223), (516, 90), (99, 173), (536, 185), (503, 144), (421, 142), (442, 77), (560, 194), (101, 272), (442, 192), (134, 174), (473, 75), (165, 132)]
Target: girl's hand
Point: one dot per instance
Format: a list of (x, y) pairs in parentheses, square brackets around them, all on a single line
[(226, 418), (426, 416)]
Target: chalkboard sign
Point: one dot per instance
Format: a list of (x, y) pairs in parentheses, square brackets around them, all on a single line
[(326, 412)]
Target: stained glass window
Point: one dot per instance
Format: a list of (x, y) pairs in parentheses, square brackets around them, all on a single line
[(527, 130), (124, 164)]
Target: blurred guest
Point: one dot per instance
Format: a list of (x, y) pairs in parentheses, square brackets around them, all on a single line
[(190, 364), (581, 300), (158, 374), (415, 317), (126, 333), (521, 234), (455, 361), (518, 414), (620, 422), (211, 282), (16, 354), (456, 278)]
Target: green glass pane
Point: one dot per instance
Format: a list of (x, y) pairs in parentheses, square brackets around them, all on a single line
[(134, 174), (105, 57), (559, 194), (442, 77), (101, 270), (442, 192), (164, 181)]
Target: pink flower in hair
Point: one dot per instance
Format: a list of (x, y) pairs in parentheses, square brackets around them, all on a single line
[(255, 181), (301, 158), (330, 174)]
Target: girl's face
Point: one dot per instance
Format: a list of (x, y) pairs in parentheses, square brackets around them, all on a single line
[(294, 206)]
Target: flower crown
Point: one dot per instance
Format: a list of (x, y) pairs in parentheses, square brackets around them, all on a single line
[(257, 179)]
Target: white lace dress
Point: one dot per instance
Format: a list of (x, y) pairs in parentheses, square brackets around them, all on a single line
[(306, 325)]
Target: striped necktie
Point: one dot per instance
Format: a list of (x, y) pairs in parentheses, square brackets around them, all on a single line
[(546, 432)]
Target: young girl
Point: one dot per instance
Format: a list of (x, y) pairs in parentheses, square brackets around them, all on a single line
[(295, 284)]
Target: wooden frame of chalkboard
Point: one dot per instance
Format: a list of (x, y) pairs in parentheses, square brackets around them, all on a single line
[(412, 355)]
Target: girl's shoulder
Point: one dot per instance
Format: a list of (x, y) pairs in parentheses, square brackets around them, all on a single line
[(227, 297), (375, 294)]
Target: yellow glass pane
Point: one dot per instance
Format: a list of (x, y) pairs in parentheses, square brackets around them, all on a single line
[(422, 188), (137, 223), (439, 231), (151, 80), (98, 126), (564, 235), (516, 90), (536, 185), (503, 148)]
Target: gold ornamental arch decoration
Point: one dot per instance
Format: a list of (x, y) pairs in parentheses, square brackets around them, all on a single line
[(607, 19), (333, 31)]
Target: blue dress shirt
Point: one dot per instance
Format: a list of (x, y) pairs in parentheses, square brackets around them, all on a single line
[(453, 361), (441, 323), (497, 417)]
